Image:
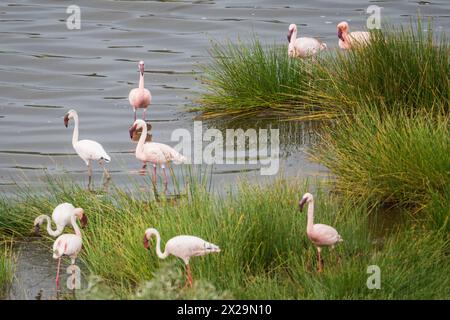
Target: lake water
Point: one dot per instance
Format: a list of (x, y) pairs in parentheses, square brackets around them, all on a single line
[(46, 69)]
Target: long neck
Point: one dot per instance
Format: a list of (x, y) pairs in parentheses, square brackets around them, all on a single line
[(141, 81), (73, 221), (161, 255), (51, 232), (141, 141), (75, 130), (310, 222), (294, 36)]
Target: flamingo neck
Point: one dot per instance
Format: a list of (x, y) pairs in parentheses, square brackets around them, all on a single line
[(73, 221), (161, 255), (310, 222), (75, 130), (141, 82), (347, 38), (140, 145), (294, 36), (51, 232)]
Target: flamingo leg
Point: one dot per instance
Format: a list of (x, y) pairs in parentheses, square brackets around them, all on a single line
[(154, 175), (134, 110), (189, 280), (165, 178), (89, 175), (57, 275), (145, 111), (319, 260)]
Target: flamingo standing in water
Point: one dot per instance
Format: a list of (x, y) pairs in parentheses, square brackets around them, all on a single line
[(183, 247), (302, 47), (61, 216), (348, 40), (321, 235), (88, 150), (140, 97), (67, 245), (153, 152)]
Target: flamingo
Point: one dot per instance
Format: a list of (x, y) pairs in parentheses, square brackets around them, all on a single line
[(61, 217), (67, 245), (321, 235), (153, 152), (88, 150), (349, 40), (183, 247), (302, 47), (140, 97)]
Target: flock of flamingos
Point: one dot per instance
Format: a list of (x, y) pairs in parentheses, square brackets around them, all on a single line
[(183, 246)]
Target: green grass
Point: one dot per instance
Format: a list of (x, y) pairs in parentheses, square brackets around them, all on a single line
[(265, 251), (395, 159), (7, 259), (401, 68)]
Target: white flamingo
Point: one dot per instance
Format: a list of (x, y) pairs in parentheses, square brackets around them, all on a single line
[(61, 216), (321, 235), (88, 150), (348, 40), (140, 97), (183, 247), (67, 245), (153, 152), (302, 47)]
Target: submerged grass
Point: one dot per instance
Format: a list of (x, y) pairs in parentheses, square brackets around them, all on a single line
[(265, 251), (7, 259)]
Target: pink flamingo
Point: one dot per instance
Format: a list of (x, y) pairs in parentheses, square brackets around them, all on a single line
[(88, 150), (67, 245), (302, 47), (140, 97), (321, 235), (153, 152), (183, 247), (61, 216), (349, 40)]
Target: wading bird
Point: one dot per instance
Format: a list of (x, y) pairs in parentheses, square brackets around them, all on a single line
[(140, 97), (302, 47), (153, 152), (88, 150), (67, 245), (321, 235), (348, 40), (61, 217), (183, 247)]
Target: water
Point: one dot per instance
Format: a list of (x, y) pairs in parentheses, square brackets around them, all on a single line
[(46, 69)]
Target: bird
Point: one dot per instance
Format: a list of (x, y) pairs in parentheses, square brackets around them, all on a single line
[(183, 247), (61, 217), (67, 245), (350, 40), (140, 97), (154, 152), (88, 150), (302, 47), (321, 235)]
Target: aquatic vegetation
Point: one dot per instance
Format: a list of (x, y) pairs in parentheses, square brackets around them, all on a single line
[(7, 261), (265, 251)]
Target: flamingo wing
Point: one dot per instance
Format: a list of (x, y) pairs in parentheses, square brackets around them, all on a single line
[(67, 244), (325, 235), (91, 150)]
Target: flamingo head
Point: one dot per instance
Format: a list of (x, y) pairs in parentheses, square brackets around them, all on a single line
[(69, 115), (292, 28), (37, 229), (79, 213), (148, 235), (342, 28), (307, 198), (141, 67), (138, 124)]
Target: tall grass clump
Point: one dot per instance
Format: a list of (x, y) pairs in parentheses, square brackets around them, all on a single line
[(393, 158), (6, 268), (401, 67), (247, 80)]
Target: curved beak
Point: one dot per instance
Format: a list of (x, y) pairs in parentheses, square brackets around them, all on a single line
[(141, 70), (37, 230), (66, 120), (84, 221), (132, 130), (340, 35), (145, 242), (289, 35), (301, 204)]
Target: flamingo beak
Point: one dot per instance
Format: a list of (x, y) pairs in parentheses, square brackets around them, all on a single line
[(66, 120), (132, 130), (301, 204), (145, 242), (340, 34), (83, 221), (141, 69), (37, 230), (289, 35)]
